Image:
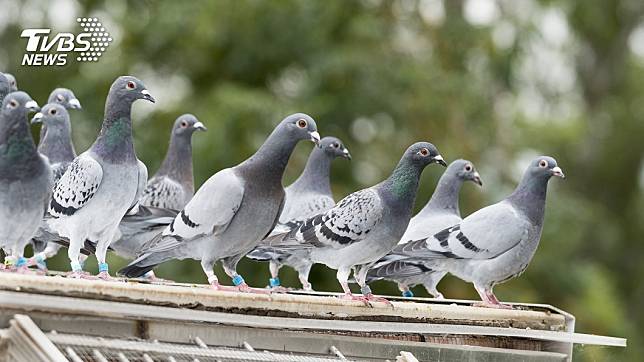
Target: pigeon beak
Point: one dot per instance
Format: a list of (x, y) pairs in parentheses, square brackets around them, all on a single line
[(32, 106), (199, 126), (37, 118), (147, 96), (556, 171), (346, 154), (74, 104), (439, 160), (477, 179), (315, 137)]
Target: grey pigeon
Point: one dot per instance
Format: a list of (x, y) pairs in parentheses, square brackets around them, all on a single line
[(440, 212), (5, 88), (173, 185), (66, 98), (233, 211), (308, 196), (102, 183), (56, 144), (25, 177), (495, 243), (364, 226), (13, 84), (168, 191)]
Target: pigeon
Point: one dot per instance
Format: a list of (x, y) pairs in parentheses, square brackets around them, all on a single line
[(64, 97), (173, 185), (308, 196), (56, 144), (496, 243), (233, 210), (13, 84), (102, 183), (168, 191), (5, 88), (135, 230), (364, 226), (440, 212), (25, 178)]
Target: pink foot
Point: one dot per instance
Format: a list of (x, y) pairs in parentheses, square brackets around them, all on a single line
[(24, 270), (107, 277), (350, 296), (241, 288), (80, 275), (372, 298), (279, 289)]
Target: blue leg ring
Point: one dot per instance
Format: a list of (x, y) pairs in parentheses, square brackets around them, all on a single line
[(274, 282), (22, 261), (407, 294), (238, 280), (103, 267)]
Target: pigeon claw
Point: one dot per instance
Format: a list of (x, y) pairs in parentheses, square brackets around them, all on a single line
[(279, 289), (80, 275), (360, 298), (106, 277), (372, 298)]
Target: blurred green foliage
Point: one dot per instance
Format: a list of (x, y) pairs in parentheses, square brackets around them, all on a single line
[(494, 83)]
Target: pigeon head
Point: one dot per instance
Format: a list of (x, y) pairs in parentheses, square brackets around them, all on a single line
[(423, 154), (186, 124), (53, 115), (334, 148), (5, 88), (465, 170), (300, 126), (127, 89), (16, 105), (13, 84), (64, 97), (543, 168)]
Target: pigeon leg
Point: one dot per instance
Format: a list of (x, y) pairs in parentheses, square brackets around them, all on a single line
[(303, 275), (343, 277), (73, 253), (431, 289), (207, 266), (103, 268), (274, 281), (404, 289), (40, 259), (360, 274), (489, 299), (230, 266)]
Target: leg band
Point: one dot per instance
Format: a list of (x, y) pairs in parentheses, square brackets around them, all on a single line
[(407, 294), (238, 280), (103, 267), (274, 282)]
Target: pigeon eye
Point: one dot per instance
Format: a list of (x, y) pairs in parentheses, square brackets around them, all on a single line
[(335, 145), (60, 98), (468, 168), (184, 124), (424, 152), (302, 123), (53, 112), (12, 104), (543, 163), (130, 85)]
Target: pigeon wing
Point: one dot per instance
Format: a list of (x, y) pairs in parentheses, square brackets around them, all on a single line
[(209, 212), (76, 187), (162, 192), (485, 234), (349, 222)]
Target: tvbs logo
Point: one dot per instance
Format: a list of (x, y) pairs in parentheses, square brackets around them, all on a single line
[(47, 49)]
